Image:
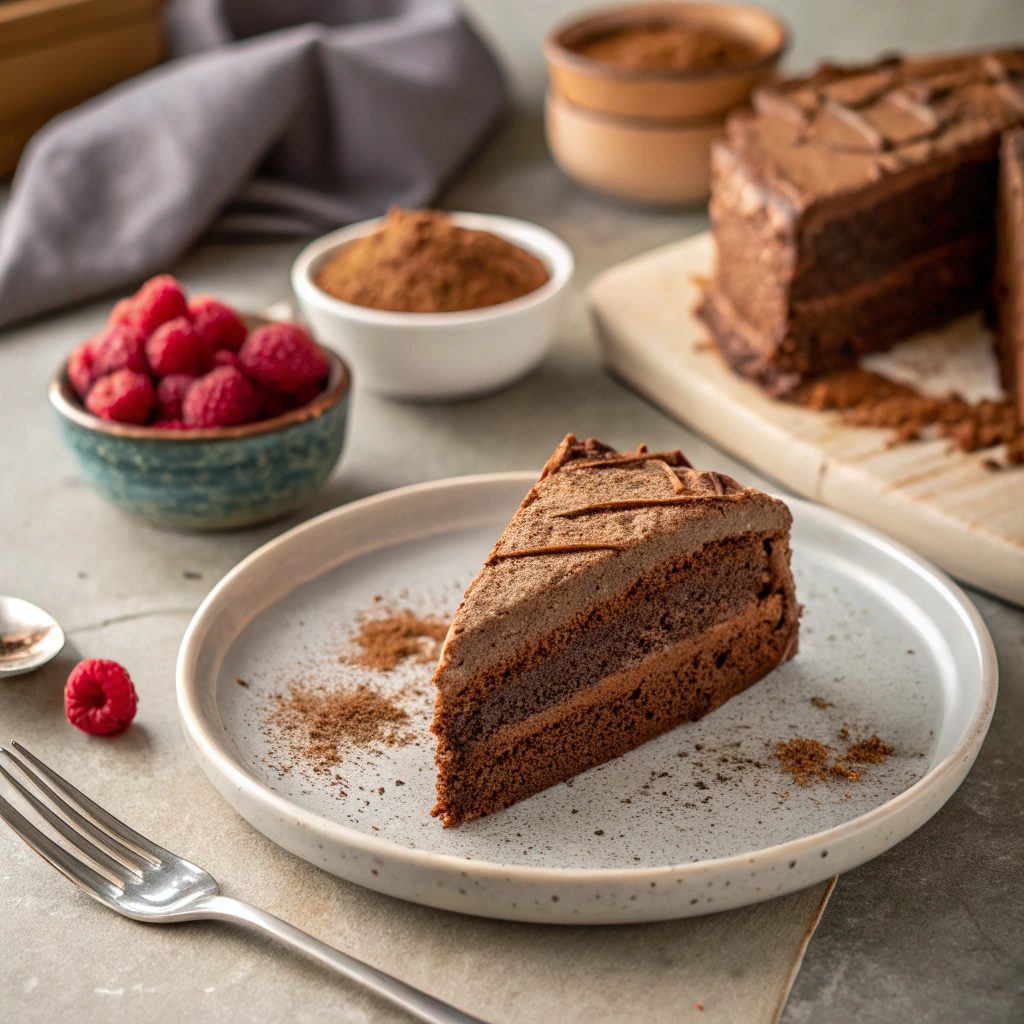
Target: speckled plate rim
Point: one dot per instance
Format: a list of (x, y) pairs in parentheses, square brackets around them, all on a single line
[(555, 895)]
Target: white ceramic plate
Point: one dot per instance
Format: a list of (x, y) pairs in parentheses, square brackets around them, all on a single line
[(699, 820)]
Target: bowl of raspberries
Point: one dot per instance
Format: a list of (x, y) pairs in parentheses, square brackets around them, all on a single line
[(193, 415)]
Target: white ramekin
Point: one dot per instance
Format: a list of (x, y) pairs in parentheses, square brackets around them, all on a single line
[(435, 357)]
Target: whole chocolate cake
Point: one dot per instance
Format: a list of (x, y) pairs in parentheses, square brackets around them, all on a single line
[(856, 207), (628, 594)]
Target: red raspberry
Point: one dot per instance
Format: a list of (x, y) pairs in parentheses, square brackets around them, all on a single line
[(99, 697), (270, 403), (121, 313), (160, 299), (170, 425), (81, 372), (225, 357), (282, 357), (125, 396), (176, 347), (169, 393), (120, 347), (308, 393), (220, 325), (222, 398)]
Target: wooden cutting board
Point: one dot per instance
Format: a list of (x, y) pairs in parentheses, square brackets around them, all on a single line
[(944, 504)]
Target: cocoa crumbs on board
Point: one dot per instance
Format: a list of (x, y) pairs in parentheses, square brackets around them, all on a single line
[(868, 399)]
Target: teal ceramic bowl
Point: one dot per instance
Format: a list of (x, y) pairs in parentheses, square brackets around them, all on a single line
[(209, 479)]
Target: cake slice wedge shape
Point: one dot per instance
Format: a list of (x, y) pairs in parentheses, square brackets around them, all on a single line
[(630, 593)]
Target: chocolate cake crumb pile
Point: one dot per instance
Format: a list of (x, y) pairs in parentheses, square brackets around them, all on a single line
[(318, 723), (385, 642), (868, 399), (870, 751), (806, 759)]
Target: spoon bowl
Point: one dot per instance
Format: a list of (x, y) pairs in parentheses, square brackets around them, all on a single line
[(29, 638)]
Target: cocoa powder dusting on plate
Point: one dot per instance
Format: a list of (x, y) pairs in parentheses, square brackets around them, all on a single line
[(384, 642), (808, 760), (319, 723)]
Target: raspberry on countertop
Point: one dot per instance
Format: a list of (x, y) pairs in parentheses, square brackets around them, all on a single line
[(99, 697)]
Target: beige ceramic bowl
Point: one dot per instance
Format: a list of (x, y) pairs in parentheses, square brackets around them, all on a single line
[(664, 94), (656, 162)]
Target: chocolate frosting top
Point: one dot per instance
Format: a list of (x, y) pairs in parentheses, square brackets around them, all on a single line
[(843, 128), (595, 521)]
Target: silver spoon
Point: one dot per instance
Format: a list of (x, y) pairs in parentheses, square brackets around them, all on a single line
[(29, 637)]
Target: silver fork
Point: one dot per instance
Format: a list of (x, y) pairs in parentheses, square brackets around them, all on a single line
[(137, 878)]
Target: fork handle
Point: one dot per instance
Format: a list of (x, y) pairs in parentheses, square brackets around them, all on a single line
[(412, 1000)]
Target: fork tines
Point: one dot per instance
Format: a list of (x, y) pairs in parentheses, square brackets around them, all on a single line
[(117, 853)]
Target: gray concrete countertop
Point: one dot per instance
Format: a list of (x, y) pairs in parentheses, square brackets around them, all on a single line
[(933, 930)]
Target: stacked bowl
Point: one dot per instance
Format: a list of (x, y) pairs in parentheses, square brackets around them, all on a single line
[(645, 134)]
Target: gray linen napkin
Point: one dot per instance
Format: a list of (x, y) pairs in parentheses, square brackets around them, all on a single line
[(272, 117)]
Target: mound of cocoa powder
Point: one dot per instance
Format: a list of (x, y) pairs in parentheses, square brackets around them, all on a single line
[(665, 47), (421, 261)]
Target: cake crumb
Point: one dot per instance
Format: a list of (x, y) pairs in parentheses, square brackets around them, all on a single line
[(241, 682), (804, 758), (820, 702), (869, 751), (868, 399), (808, 759)]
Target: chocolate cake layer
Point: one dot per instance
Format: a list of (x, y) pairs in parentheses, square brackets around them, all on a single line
[(617, 570), (853, 192), (1009, 283), (680, 682)]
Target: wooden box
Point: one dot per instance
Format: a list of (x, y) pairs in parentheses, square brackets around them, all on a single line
[(56, 53)]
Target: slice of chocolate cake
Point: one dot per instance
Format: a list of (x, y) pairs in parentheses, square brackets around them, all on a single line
[(628, 594), (1009, 282), (856, 207)]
